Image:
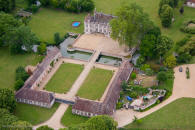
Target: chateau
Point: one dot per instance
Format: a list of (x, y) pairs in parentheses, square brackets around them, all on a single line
[(98, 23)]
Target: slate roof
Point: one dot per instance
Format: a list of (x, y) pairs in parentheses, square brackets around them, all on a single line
[(109, 103), (34, 95), (99, 17)]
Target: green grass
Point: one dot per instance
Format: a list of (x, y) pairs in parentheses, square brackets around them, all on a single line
[(64, 78), (70, 119), (34, 114), (9, 63), (95, 84), (46, 22), (176, 115)]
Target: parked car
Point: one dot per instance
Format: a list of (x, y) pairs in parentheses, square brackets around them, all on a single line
[(180, 69)]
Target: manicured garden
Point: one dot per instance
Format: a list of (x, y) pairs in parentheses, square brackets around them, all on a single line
[(176, 115), (64, 78), (9, 63), (95, 84), (34, 114), (70, 119)]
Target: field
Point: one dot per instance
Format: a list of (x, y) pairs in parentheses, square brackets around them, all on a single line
[(34, 114), (49, 21), (9, 63), (70, 119), (64, 78), (95, 84), (176, 115)]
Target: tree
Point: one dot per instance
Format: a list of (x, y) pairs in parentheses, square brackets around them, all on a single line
[(147, 46), (7, 99), (7, 5), (162, 76), (166, 15), (165, 2), (57, 38), (87, 5), (154, 31), (170, 61), (21, 74), (6, 119), (18, 84), (44, 127), (31, 2), (124, 85), (19, 38), (181, 10), (130, 25), (42, 48), (101, 123), (7, 22), (21, 125), (164, 44)]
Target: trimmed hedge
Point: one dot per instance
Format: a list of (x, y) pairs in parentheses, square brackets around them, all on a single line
[(185, 28)]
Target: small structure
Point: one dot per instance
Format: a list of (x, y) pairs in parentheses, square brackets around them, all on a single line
[(98, 23), (129, 98), (190, 3), (23, 13)]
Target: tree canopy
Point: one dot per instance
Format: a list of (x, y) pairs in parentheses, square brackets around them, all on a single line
[(21, 125), (7, 99), (130, 25), (7, 5), (166, 15)]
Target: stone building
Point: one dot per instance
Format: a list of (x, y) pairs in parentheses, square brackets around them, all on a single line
[(27, 94), (89, 108), (98, 23), (190, 3)]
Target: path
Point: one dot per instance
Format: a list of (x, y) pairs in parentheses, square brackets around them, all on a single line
[(182, 87), (55, 120)]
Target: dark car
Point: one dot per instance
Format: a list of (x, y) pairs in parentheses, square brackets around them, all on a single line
[(180, 69)]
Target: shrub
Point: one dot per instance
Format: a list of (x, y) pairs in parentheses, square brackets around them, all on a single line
[(170, 61), (144, 67), (57, 38), (187, 72), (166, 15), (42, 48), (44, 127), (140, 61), (185, 28), (21, 73), (133, 75), (162, 76), (149, 72), (18, 84), (119, 105), (34, 8), (124, 85), (133, 94)]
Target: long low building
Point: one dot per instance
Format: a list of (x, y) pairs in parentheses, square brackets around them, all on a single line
[(27, 94), (89, 108)]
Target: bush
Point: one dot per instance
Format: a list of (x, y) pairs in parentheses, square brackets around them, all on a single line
[(162, 76), (170, 61), (185, 28), (133, 94), (34, 8), (44, 127), (21, 73), (42, 48), (166, 15), (140, 61), (18, 84), (187, 72), (133, 75), (149, 72), (57, 38), (119, 105), (124, 85), (144, 67)]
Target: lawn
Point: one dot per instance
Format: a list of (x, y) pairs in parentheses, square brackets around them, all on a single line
[(34, 114), (176, 115), (95, 84), (64, 78), (9, 63), (70, 119), (47, 21)]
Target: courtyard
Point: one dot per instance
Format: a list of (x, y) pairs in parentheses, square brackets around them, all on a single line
[(64, 78)]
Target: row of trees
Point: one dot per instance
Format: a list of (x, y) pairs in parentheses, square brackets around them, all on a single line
[(76, 6), (166, 11)]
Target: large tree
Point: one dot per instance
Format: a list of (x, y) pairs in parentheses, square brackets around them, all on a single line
[(164, 44), (130, 25), (19, 38), (7, 5), (166, 15), (7, 22), (7, 99)]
